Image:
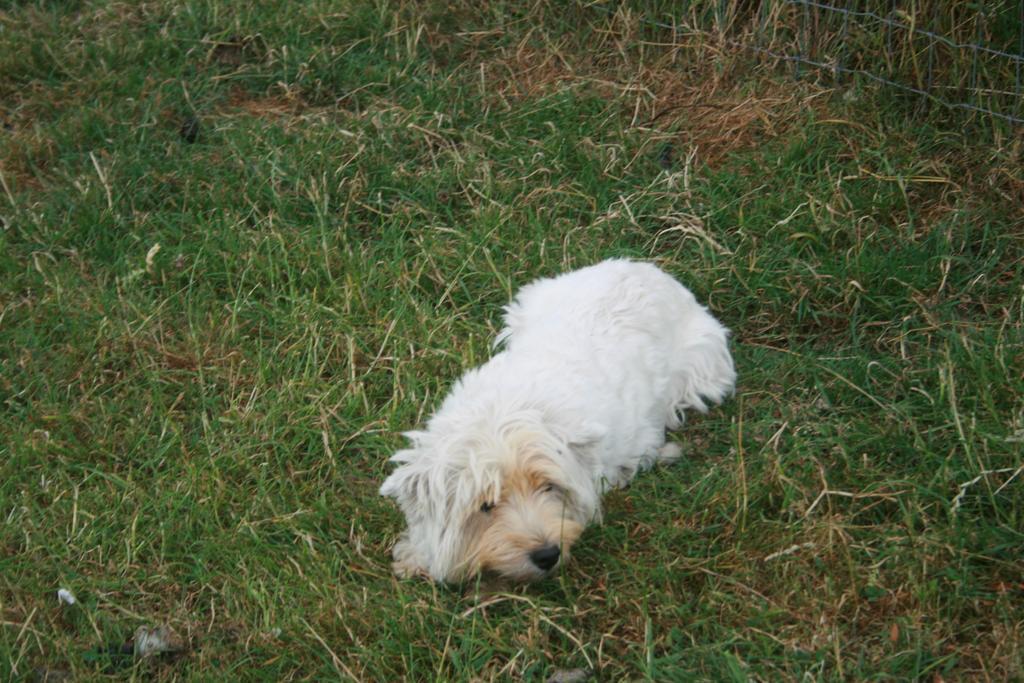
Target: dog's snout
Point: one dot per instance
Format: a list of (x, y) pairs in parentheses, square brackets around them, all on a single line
[(546, 557)]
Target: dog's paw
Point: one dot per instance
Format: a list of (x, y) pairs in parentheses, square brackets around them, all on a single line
[(407, 570), (407, 562), (669, 452)]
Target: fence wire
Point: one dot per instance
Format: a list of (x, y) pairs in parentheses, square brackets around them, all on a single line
[(934, 63)]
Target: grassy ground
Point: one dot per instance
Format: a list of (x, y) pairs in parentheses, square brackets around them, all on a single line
[(244, 245)]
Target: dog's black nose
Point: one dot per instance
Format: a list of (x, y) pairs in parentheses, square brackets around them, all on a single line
[(546, 557)]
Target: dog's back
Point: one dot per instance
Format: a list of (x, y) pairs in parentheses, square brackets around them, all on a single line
[(631, 324), (605, 304)]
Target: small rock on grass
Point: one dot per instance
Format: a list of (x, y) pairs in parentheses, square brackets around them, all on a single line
[(155, 641), (44, 675), (148, 642), (570, 676)]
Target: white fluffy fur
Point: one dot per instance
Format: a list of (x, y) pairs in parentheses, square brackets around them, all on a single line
[(595, 365)]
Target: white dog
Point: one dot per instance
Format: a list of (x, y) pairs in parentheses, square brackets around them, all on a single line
[(596, 365)]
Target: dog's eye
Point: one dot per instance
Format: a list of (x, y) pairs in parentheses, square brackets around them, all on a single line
[(551, 488), (487, 507)]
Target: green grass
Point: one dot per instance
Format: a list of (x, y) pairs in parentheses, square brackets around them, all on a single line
[(195, 434)]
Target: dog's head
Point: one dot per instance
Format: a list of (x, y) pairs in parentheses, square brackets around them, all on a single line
[(508, 497)]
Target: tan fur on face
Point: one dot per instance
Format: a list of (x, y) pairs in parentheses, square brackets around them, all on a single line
[(531, 511)]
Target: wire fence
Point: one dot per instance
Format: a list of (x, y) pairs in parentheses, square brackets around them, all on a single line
[(967, 56)]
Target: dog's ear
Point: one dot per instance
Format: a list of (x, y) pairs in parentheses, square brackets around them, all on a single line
[(410, 486), (407, 483)]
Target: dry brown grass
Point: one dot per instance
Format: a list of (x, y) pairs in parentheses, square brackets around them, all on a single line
[(698, 105), (277, 105)]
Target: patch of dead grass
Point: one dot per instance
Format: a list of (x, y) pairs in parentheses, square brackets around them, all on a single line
[(527, 72), (699, 106), (267, 105), (718, 117)]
